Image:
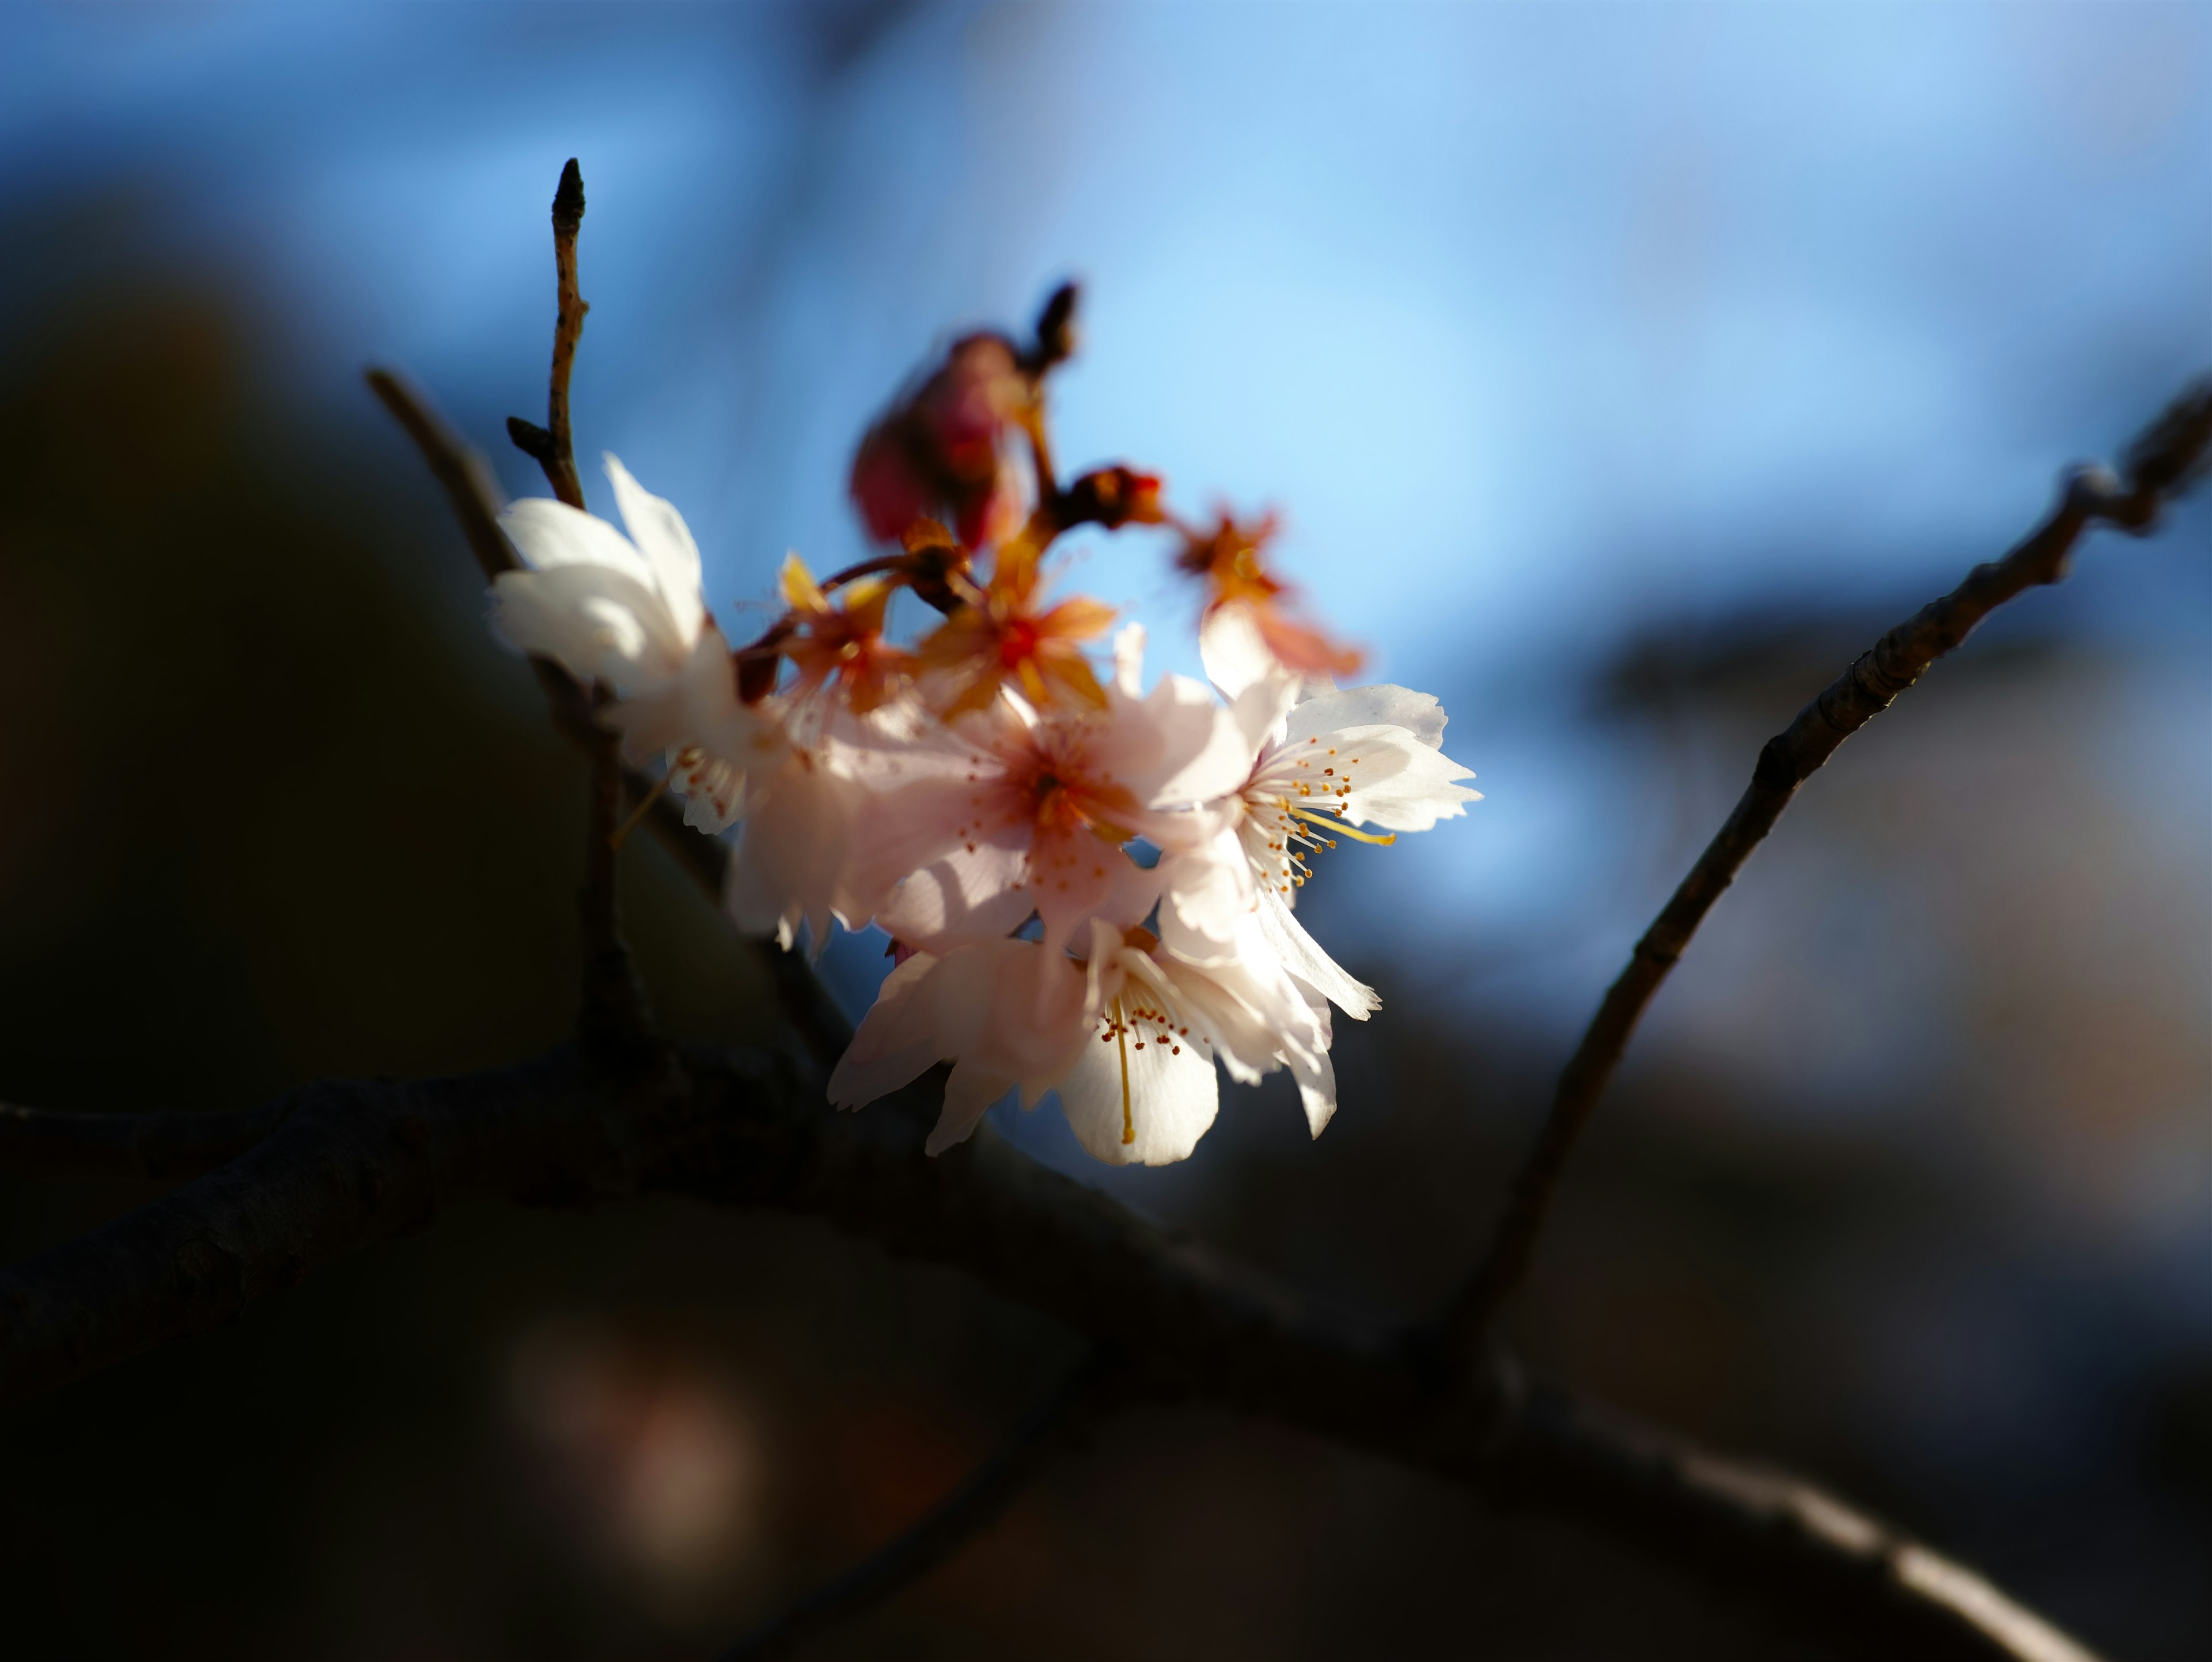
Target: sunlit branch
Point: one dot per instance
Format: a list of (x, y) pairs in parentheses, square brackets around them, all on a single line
[(966, 1512), (2159, 467)]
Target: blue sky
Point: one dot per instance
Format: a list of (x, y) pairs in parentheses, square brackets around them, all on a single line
[(1539, 325)]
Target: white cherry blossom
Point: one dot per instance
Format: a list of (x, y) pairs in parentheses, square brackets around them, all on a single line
[(1019, 812), (1129, 1037), (630, 612), (1324, 768)]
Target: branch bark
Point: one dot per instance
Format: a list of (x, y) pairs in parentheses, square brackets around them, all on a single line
[(161, 1144), (349, 1163), (2160, 464), (474, 496)]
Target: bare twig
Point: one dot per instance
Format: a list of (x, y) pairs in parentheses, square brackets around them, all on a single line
[(354, 1162), (966, 1512), (162, 1144), (551, 445), (469, 487), (2159, 464)]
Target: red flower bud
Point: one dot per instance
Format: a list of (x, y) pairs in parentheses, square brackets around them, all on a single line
[(948, 447)]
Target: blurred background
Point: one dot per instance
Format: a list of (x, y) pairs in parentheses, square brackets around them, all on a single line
[(1619, 372)]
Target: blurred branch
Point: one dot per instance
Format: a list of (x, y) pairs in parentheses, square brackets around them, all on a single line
[(2160, 464), (971, 1508), (352, 1163), (160, 1144), (475, 498)]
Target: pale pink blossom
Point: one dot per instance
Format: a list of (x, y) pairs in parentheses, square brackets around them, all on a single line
[(1130, 1037), (1022, 812)]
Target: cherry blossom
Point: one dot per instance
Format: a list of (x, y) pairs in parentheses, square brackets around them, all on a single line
[(1325, 768), (1091, 885), (629, 613), (1246, 629), (1026, 812), (1130, 1037)]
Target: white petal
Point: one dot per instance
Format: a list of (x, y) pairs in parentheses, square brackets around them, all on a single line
[(552, 534), (1175, 747), (598, 623), (1376, 706), (1208, 891), (1260, 710), (1230, 648), (1410, 795), (1173, 1095), (897, 1041), (1317, 1077), (1302, 956), (968, 1094), (1129, 660), (660, 535), (791, 859)]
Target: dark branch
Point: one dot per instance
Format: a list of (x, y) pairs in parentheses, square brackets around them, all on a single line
[(2159, 464), (613, 1010), (613, 1013), (475, 498), (161, 1145), (966, 1512), (352, 1163), (551, 445)]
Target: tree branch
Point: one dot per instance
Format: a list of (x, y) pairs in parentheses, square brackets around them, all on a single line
[(551, 445), (349, 1163), (162, 1144), (2160, 464), (475, 498), (970, 1509)]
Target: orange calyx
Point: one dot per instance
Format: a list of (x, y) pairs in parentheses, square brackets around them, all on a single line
[(843, 643), (1231, 560), (998, 640)]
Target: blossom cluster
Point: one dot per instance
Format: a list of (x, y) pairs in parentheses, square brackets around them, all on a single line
[(1091, 885)]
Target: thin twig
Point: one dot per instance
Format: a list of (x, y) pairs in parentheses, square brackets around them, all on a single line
[(613, 1012), (356, 1162), (160, 1144), (966, 1512), (2160, 465), (551, 445), (475, 498)]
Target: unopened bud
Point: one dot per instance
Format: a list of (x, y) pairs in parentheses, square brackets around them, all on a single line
[(1055, 330), (1112, 497), (946, 447)]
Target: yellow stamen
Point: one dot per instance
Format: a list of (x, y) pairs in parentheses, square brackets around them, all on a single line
[(615, 837), (1120, 1037), (1349, 830)]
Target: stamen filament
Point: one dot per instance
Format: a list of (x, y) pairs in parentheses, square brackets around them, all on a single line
[(1353, 831), (616, 837), (1120, 1037)]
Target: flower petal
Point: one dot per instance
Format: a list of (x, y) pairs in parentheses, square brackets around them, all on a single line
[(1301, 955), (1173, 1096), (664, 541)]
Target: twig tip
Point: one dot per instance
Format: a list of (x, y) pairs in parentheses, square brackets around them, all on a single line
[(568, 199)]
